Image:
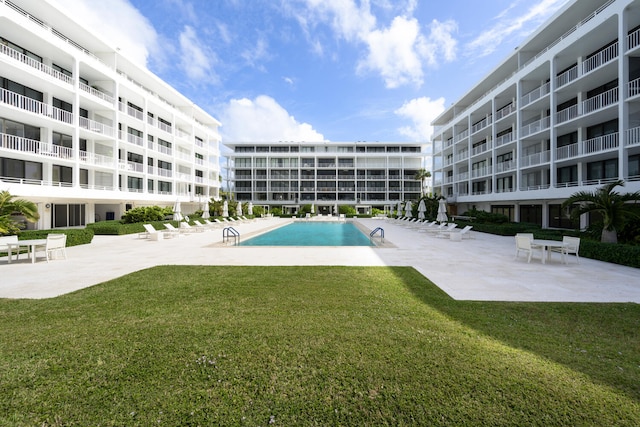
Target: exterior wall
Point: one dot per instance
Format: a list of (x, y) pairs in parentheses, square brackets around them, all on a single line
[(325, 174), (560, 115), (86, 133)]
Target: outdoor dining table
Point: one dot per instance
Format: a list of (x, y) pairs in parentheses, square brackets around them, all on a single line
[(29, 244), (547, 245)]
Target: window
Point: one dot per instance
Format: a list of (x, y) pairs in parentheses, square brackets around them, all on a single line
[(61, 140), (13, 168), (634, 165), (63, 105), (134, 183), (19, 129), (601, 129), (602, 169), (68, 215), (61, 174), (84, 177), (506, 210), (568, 174), (164, 187), (20, 89), (567, 139), (504, 184)]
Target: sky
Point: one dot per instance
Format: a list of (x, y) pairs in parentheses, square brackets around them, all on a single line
[(317, 70)]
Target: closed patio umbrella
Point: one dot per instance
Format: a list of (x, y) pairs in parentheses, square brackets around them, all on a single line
[(205, 210), (225, 209), (442, 211), (313, 210), (421, 209), (177, 211), (239, 209), (399, 213), (407, 208), (250, 209)]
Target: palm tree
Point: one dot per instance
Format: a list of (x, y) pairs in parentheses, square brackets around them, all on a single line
[(615, 208), (422, 175), (9, 207)]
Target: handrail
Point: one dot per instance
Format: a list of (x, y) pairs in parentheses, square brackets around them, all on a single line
[(374, 232), (229, 232)]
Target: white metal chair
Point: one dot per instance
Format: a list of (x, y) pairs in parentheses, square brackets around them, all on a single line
[(56, 244), (523, 244), (570, 246)]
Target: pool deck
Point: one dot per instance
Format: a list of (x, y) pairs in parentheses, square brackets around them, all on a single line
[(481, 268)]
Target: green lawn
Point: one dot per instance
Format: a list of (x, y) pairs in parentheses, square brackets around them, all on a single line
[(311, 346)]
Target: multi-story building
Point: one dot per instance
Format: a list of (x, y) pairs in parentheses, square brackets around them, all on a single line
[(85, 133), (325, 174), (560, 115)]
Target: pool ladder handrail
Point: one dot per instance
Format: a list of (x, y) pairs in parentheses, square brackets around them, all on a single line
[(374, 232), (229, 232)]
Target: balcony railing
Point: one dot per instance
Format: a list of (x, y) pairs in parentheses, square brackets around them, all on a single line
[(482, 148), (96, 93), (94, 126), (481, 124), (590, 105), (567, 77), (462, 135), (505, 166), (601, 58), (24, 145), (504, 139), (633, 39), (484, 171), (536, 93), (633, 88), (505, 111), (34, 63), (535, 159), (25, 103), (633, 137), (535, 127), (590, 146)]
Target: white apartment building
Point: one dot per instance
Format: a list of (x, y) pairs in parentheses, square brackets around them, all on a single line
[(326, 174), (85, 133), (561, 114)]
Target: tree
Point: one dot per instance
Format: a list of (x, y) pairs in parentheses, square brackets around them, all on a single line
[(422, 175), (10, 207), (615, 208)]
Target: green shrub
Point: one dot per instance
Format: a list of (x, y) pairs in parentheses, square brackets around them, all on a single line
[(487, 217), (116, 228), (146, 214), (347, 210), (615, 253), (74, 236)]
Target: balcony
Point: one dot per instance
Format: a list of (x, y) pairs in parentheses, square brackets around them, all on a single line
[(24, 145), (33, 63), (96, 93), (505, 111), (507, 166), (601, 58), (535, 94), (28, 104), (590, 146), (535, 127), (633, 137), (504, 139), (96, 127), (481, 124), (535, 159)]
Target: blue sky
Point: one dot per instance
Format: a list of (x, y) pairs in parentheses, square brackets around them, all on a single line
[(313, 70)]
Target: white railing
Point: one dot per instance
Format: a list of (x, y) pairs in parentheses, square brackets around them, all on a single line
[(462, 155), (633, 39), (600, 101), (536, 126), (133, 112), (24, 145), (505, 166), (163, 149), (599, 59), (34, 63), (163, 126), (567, 77), (535, 94), (481, 124), (481, 148), (633, 88), (600, 143), (25, 103), (567, 151), (504, 139), (535, 159), (96, 159), (462, 176), (96, 93), (462, 135), (475, 173), (182, 134), (136, 167), (94, 126), (633, 136), (567, 114), (505, 111)]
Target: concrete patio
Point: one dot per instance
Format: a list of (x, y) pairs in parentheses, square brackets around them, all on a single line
[(481, 268)]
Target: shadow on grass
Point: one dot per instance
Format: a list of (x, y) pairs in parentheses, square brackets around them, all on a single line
[(599, 340)]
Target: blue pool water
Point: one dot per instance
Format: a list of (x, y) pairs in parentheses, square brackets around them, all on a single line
[(311, 234)]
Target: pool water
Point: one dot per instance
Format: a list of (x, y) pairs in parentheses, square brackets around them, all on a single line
[(312, 234)]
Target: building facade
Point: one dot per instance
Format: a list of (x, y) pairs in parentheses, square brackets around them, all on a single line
[(325, 174), (559, 115), (85, 133)]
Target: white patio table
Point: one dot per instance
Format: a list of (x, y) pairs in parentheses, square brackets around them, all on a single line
[(546, 247), (29, 244)]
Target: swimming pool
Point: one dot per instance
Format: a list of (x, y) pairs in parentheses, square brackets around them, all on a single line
[(302, 233)]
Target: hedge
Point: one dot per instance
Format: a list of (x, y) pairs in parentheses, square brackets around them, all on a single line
[(116, 228), (75, 236)]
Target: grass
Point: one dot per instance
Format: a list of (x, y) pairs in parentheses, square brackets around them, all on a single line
[(311, 346)]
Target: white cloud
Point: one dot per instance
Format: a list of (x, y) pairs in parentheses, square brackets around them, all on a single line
[(398, 52), (195, 58), (263, 119), (508, 25), (421, 112), (118, 23)]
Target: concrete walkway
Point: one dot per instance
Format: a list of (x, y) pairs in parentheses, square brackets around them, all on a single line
[(482, 268)]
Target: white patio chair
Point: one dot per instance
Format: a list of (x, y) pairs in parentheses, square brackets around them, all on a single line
[(4, 245), (191, 229), (56, 244), (570, 246), (457, 234), (150, 230), (523, 244)]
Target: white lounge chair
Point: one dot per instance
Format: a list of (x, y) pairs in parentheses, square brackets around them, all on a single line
[(432, 228), (441, 229), (150, 231), (56, 244), (523, 244), (452, 226), (4, 245), (457, 233), (174, 230), (570, 246), (192, 229)]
